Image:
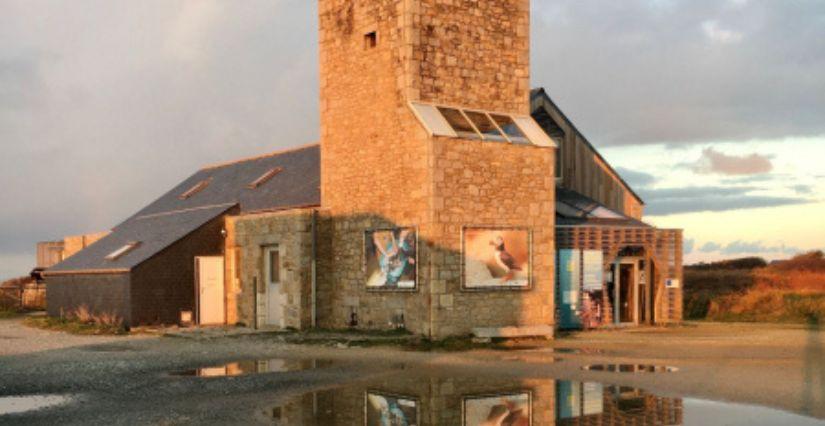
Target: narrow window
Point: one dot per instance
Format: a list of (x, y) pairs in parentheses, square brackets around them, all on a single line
[(117, 254), (265, 177), (485, 126), (370, 40), (459, 123), (200, 186), (274, 266)]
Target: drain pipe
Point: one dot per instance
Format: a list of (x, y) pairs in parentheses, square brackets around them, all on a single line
[(313, 268)]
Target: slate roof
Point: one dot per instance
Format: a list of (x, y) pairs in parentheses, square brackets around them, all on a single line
[(574, 209), (170, 218), (154, 233)]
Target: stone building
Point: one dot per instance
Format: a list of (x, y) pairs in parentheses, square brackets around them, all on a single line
[(429, 204)]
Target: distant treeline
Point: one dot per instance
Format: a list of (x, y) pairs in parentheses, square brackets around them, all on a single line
[(751, 289)]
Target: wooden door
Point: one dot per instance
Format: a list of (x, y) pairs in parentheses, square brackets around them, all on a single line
[(210, 290)]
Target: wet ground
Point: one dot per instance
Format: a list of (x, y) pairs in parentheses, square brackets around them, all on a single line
[(688, 376)]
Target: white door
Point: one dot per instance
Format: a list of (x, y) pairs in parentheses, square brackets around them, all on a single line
[(275, 299), (210, 294)]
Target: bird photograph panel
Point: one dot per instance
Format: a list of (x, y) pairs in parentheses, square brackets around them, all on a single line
[(496, 258)]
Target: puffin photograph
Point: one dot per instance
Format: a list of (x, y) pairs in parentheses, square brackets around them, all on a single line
[(504, 259)]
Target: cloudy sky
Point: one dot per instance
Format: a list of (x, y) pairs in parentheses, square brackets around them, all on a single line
[(712, 109)]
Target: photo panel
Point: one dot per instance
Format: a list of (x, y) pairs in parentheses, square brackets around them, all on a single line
[(387, 409), (496, 258), (508, 409), (391, 259)]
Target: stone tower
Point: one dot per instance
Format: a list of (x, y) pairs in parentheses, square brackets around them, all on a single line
[(381, 168)]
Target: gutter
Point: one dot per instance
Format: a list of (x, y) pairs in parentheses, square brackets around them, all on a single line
[(313, 271), (86, 272)]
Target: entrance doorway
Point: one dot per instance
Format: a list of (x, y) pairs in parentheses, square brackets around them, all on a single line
[(209, 290), (275, 299), (624, 291)]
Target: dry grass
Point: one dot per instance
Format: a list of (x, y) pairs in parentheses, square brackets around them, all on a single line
[(790, 291), (80, 321)]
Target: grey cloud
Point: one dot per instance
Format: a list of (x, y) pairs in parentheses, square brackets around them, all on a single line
[(715, 162), (104, 106), (710, 247), (659, 77), (635, 178), (803, 189), (668, 201)]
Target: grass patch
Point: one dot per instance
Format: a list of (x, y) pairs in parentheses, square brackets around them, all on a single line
[(6, 313), (74, 326)]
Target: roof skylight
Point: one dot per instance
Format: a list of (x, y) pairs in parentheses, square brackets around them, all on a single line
[(117, 254), (454, 122), (265, 177), (200, 186)]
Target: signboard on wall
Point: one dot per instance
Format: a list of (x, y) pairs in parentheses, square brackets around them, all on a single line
[(592, 270), (672, 283)]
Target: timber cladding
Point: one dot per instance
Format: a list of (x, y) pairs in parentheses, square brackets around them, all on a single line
[(164, 285), (661, 247), (100, 293)]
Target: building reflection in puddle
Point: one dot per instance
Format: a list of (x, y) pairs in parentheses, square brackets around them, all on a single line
[(630, 368), (241, 368), (476, 401)]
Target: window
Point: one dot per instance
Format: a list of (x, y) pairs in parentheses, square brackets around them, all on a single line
[(441, 120), (485, 126), (265, 177), (459, 123), (117, 254), (274, 265), (370, 40), (200, 186), (510, 129)]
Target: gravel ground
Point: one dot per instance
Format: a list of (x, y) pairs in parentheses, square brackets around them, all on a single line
[(17, 339), (128, 380)]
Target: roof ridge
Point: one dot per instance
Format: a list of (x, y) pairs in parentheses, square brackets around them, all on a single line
[(173, 212), (258, 157)]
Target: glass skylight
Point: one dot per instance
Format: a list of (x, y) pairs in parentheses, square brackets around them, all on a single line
[(200, 186), (265, 177), (117, 254), (454, 122)]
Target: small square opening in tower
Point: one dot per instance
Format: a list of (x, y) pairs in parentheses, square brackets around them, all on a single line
[(370, 40)]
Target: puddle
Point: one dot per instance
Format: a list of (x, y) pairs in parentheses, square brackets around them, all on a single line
[(23, 404), (476, 401), (108, 348), (630, 368), (242, 368), (577, 351)]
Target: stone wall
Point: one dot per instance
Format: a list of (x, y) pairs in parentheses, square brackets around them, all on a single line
[(496, 185), (380, 169), (472, 53), (75, 243), (249, 235)]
